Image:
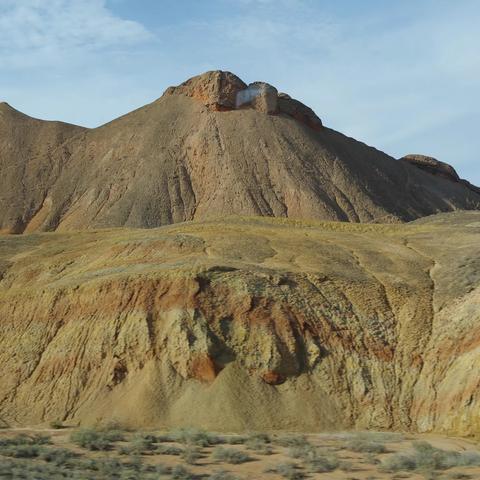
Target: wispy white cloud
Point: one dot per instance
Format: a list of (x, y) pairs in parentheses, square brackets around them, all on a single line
[(37, 32)]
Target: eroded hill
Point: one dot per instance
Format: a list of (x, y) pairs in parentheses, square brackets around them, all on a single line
[(245, 323), (212, 146)]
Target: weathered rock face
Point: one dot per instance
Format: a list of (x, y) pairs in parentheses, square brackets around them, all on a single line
[(217, 90), (432, 165), (259, 96), (192, 154), (223, 91), (298, 111), (245, 324), (441, 169)]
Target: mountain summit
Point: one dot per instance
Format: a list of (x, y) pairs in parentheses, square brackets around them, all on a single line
[(212, 146)]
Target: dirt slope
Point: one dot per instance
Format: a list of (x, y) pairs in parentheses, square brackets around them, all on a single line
[(212, 146), (245, 323), (32, 156)]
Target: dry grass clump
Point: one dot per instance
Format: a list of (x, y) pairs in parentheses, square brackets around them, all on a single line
[(322, 463), (425, 457), (169, 450), (290, 471), (140, 444), (179, 472), (91, 439), (292, 441), (230, 455), (193, 436), (191, 454), (23, 446), (259, 443), (314, 459)]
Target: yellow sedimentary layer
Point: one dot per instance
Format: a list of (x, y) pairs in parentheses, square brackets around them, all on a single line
[(245, 323)]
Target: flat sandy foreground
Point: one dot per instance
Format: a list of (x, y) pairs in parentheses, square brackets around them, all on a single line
[(113, 453)]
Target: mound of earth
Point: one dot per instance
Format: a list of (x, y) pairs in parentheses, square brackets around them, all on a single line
[(245, 323), (210, 147)]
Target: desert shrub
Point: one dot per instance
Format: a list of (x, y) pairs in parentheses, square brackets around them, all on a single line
[(113, 431), (40, 439), (301, 451), (233, 439), (191, 454), (258, 437), (179, 472), (193, 436), (140, 443), (320, 463), (346, 466), (57, 456), (169, 450), (371, 459), (222, 475), (92, 439), (259, 443), (428, 458), (23, 439), (398, 462), (20, 451), (230, 455), (161, 469), (469, 458), (287, 470), (293, 441), (363, 445), (457, 476)]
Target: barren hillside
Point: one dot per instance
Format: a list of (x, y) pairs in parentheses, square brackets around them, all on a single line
[(210, 147), (245, 323)]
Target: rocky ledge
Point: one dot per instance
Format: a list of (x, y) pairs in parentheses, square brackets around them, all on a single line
[(223, 91), (437, 168)]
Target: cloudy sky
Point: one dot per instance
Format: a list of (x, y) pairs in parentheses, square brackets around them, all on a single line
[(403, 76)]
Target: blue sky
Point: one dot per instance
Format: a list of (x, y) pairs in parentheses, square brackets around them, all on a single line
[(403, 76)]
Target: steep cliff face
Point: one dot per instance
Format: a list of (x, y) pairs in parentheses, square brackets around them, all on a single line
[(212, 146), (245, 323)]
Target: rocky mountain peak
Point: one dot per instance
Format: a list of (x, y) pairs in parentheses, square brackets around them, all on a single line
[(224, 91)]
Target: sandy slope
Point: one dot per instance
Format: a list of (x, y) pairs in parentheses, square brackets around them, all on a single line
[(245, 323)]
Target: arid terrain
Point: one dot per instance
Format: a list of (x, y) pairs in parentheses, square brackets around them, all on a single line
[(184, 454), (210, 147), (245, 323), (221, 261)]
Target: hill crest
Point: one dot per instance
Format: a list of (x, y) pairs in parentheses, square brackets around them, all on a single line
[(210, 147)]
